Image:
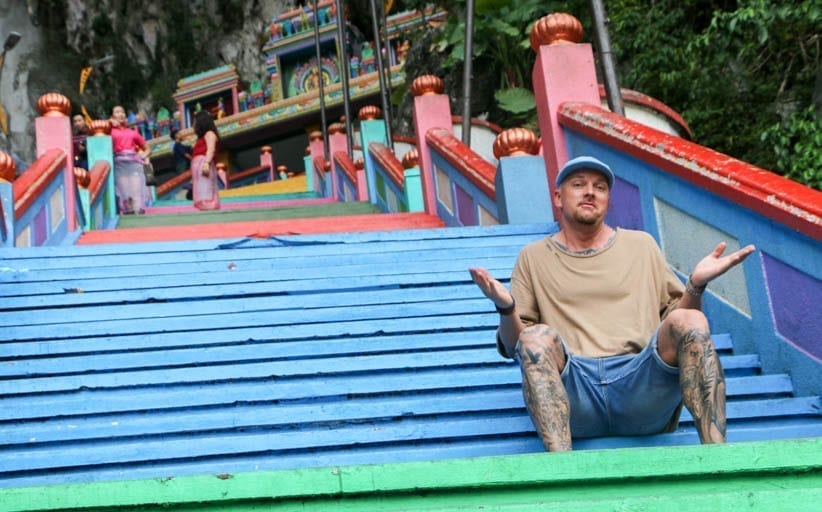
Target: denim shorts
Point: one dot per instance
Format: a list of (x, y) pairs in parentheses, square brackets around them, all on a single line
[(626, 395)]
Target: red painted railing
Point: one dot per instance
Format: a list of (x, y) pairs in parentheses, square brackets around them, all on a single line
[(33, 182), (98, 174), (388, 161), (475, 168), (762, 191)]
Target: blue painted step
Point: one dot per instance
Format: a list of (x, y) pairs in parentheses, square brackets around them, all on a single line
[(156, 360)]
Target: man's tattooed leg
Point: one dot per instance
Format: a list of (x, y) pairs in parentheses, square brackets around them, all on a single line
[(542, 387), (702, 382)]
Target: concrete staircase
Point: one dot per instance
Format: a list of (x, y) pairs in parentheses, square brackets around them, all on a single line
[(281, 353)]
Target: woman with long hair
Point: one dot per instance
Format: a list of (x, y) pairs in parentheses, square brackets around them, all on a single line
[(203, 168), (130, 153)]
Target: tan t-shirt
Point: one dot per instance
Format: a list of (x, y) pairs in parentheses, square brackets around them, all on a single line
[(603, 304)]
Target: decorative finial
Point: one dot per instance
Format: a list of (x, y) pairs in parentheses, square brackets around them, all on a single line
[(99, 127), (516, 142), (82, 176), (411, 159), (556, 28), (315, 135), (359, 163), (8, 169), (266, 150), (369, 112), (335, 128), (427, 84), (53, 104), (281, 169), (326, 166)]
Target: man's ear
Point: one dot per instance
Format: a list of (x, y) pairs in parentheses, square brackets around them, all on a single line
[(555, 197)]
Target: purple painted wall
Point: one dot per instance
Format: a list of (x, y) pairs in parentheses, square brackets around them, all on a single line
[(796, 302)]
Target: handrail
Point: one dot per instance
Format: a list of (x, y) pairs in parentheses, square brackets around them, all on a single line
[(246, 173), (762, 191), (389, 161), (475, 168), (346, 165), (174, 182), (34, 180), (98, 174)]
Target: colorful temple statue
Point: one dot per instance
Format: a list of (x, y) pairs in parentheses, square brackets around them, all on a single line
[(163, 122)]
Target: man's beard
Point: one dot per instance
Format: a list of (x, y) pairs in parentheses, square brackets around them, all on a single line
[(589, 219)]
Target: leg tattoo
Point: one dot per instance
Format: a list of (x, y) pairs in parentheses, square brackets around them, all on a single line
[(702, 382), (542, 387)]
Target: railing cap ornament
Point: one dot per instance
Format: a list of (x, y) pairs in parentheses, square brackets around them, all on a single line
[(53, 104), (516, 142), (282, 168), (8, 169), (359, 163), (556, 28), (369, 112), (427, 84), (335, 128), (315, 135), (99, 127), (82, 176), (411, 159), (266, 150)]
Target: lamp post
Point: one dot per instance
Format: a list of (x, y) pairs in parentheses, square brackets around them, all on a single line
[(11, 41)]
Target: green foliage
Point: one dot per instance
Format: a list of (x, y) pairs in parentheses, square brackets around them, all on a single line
[(734, 73), (797, 144), (501, 43)]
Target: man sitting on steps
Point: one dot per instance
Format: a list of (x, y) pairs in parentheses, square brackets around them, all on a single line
[(607, 342)]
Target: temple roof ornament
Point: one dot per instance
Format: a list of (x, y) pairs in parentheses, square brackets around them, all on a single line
[(556, 28), (427, 84), (335, 128), (516, 142), (53, 104)]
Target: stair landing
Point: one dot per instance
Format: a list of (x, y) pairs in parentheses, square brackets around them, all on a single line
[(264, 228)]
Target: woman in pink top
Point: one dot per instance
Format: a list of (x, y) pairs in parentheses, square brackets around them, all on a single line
[(205, 191), (130, 152)]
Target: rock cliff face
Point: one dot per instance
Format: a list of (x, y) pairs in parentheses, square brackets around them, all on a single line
[(138, 49)]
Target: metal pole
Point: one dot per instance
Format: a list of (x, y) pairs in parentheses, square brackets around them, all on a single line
[(466, 74), (603, 41), (381, 68), (386, 46), (341, 36), (320, 83)]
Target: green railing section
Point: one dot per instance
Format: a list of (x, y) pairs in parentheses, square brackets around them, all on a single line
[(771, 475)]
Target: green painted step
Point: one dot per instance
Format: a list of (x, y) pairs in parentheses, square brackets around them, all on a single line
[(226, 216), (243, 199), (758, 476)]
